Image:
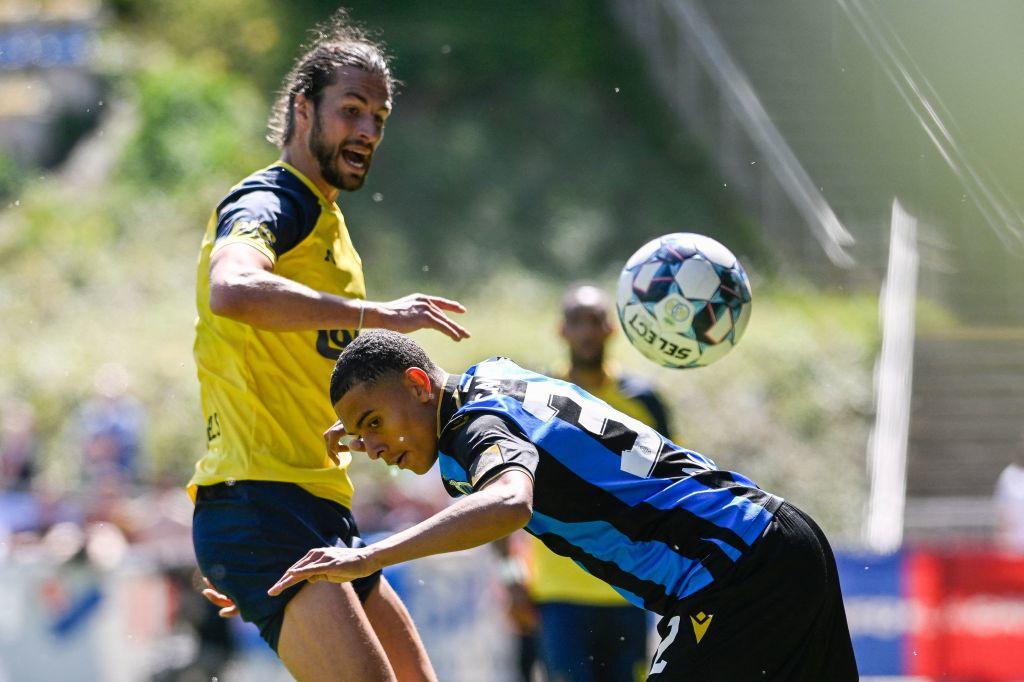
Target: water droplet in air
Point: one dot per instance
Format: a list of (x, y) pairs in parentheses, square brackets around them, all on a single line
[(378, 197), (231, 481), (446, 49)]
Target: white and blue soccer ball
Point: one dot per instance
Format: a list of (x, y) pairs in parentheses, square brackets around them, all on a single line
[(683, 300)]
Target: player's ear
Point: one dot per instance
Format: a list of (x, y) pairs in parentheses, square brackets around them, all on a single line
[(302, 108), (418, 381)]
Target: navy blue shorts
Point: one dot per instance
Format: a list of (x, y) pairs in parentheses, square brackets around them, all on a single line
[(246, 535)]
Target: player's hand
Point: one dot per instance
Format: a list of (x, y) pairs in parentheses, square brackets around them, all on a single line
[(335, 440), (420, 311), (228, 608), (521, 610), (334, 564)]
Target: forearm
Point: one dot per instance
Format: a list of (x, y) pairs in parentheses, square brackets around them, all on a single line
[(268, 301), (471, 521)]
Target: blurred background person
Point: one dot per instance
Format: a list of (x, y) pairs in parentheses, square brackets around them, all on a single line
[(585, 629), (18, 446), (110, 424), (1009, 503)]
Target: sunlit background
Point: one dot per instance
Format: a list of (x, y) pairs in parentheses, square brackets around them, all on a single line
[(862, 158)]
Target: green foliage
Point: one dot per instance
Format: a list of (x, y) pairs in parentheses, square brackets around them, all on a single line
[(197, 123), (11, 176)]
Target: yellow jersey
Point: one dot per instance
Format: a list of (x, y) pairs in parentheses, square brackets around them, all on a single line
[(555, 578), (265, 393)]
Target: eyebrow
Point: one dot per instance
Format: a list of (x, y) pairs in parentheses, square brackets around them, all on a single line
[(356, 95), (359, 422)]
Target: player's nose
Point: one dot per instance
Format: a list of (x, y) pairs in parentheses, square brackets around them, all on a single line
[(375, 448), (368, 131)]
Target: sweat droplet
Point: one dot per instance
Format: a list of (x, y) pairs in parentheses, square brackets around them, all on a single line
[(378, 197)]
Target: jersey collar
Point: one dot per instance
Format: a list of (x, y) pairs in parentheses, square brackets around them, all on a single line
[(449, 402), (305, 181)]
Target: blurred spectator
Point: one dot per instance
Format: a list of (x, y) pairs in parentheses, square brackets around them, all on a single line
[(20, 510), (1009, 504), (194, 615), (110, 424), (17, 446)]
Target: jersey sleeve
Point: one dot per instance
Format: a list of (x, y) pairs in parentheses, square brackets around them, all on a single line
[(487, 445), (268, 221)]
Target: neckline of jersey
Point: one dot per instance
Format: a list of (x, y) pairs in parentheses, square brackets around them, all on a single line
[(305, 181), (449, 400)]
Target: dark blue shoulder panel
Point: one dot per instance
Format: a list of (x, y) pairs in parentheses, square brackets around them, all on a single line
[(276, 203)]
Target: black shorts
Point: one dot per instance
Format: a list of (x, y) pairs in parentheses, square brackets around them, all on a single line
[(778, 616), (246, 535)]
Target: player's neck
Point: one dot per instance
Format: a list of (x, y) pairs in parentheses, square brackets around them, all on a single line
[(588, 376), (299, 158)]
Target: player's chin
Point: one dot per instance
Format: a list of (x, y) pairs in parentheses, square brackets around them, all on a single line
[(350, 182), (420, 466)]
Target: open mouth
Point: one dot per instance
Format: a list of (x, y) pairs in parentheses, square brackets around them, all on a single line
[(356, 159)]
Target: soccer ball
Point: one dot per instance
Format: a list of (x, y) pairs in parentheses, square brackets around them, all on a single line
[(683, 300)]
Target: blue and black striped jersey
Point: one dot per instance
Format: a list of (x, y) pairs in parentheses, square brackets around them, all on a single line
[(656, 521)]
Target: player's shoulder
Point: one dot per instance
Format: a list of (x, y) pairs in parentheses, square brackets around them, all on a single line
[(636, 387), (273, 191)]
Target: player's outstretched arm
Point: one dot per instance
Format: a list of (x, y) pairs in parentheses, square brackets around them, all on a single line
[(244, 287), (503, 505)]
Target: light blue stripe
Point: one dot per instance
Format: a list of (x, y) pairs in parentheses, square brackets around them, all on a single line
[(729, 550), (651, 561), (451, 470)]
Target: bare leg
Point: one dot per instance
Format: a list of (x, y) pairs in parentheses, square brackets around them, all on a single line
[(327, 636), (394, 627)]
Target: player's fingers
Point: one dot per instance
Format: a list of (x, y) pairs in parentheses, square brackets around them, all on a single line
[(312, 556), (443, 324), (447, 304), (282, 584), (217, 598), (439, 323), (291, 577), (228, 612)]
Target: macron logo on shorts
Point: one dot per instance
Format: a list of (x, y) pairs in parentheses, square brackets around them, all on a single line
[(700, 624)]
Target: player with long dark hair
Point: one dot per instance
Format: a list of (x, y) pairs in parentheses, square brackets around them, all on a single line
[(280, 293)]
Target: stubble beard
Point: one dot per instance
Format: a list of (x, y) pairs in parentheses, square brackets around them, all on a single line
[(328, 160), (587, 362)]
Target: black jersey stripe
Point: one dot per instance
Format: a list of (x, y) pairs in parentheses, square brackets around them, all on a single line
[(563, 495), (654, 596)]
